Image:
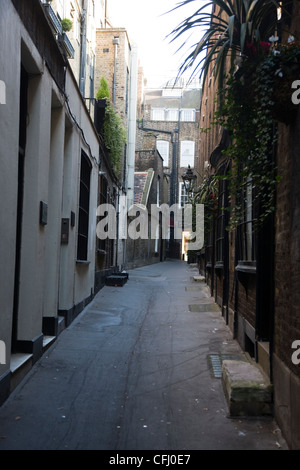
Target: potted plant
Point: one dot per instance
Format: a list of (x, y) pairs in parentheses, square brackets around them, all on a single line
[(66, 24)]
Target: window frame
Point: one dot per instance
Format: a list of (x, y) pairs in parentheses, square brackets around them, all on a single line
[(247, 238), (182, 196), (185, 112), (183, 159), (165, 154), (84, 208)]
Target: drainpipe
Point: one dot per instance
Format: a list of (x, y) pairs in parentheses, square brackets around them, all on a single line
[(83, 49), (115, 43), (132, 126), (105, 14)]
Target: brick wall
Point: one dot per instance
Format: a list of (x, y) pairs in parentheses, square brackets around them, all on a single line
[(287, 242), (240, 293), (105, 65), (287, 254)]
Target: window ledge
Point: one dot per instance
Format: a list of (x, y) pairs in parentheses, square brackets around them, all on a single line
[(246, 267), (82, 261)]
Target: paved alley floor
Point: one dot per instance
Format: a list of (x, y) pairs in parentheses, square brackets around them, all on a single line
[(135, 371)]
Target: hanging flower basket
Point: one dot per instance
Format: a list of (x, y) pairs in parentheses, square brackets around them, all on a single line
[(287, 70)]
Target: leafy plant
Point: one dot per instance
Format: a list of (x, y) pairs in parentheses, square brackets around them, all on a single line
[(66, 24), (103, 90), (229, 26), (114, 134), (207, 194), (250, 156)]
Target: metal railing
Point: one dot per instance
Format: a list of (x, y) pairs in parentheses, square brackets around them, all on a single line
[(52, 18), (67, 45)]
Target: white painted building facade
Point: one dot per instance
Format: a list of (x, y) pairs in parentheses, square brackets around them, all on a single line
[(49, 165)]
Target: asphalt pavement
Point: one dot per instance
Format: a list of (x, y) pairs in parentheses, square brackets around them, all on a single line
[(136, 370)]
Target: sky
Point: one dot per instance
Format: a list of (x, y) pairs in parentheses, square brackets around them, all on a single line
[(148, 24)]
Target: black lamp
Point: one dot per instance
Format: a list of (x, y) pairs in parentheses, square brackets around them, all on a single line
[(189, 179)]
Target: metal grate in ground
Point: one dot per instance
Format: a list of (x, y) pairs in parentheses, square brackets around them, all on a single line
[(215, 362)]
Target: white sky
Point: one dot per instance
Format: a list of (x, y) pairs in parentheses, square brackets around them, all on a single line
[(147, 26)]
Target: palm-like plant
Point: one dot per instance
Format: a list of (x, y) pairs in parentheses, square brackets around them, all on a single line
[(229, 25)]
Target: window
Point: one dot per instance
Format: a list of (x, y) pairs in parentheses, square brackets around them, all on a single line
[(221, 222), (163, 148), (183, 196), (84, 205), (157, 114), (187, 115), (172, 114), (246, 234), (92, 76), (187, 153)]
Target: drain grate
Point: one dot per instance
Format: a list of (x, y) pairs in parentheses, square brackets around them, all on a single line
[(215, 362)]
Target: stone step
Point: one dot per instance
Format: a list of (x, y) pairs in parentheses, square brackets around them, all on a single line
[(199, 278), (247, 389)]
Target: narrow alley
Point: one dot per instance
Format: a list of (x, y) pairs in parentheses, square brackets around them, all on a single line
[(134, 372)]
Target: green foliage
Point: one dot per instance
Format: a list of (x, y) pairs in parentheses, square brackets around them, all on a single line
[(207, 194), (103, 90), (66, 24), (114, 135), (247, 115), (254, 99), (228, 27)]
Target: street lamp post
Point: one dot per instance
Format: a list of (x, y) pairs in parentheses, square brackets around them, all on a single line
[(189, 180)]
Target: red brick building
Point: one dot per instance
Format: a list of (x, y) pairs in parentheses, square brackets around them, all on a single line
[(256, 279)]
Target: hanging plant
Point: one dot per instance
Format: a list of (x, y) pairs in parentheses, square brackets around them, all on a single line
[(250, 159), (229, 26), (284, 65)]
